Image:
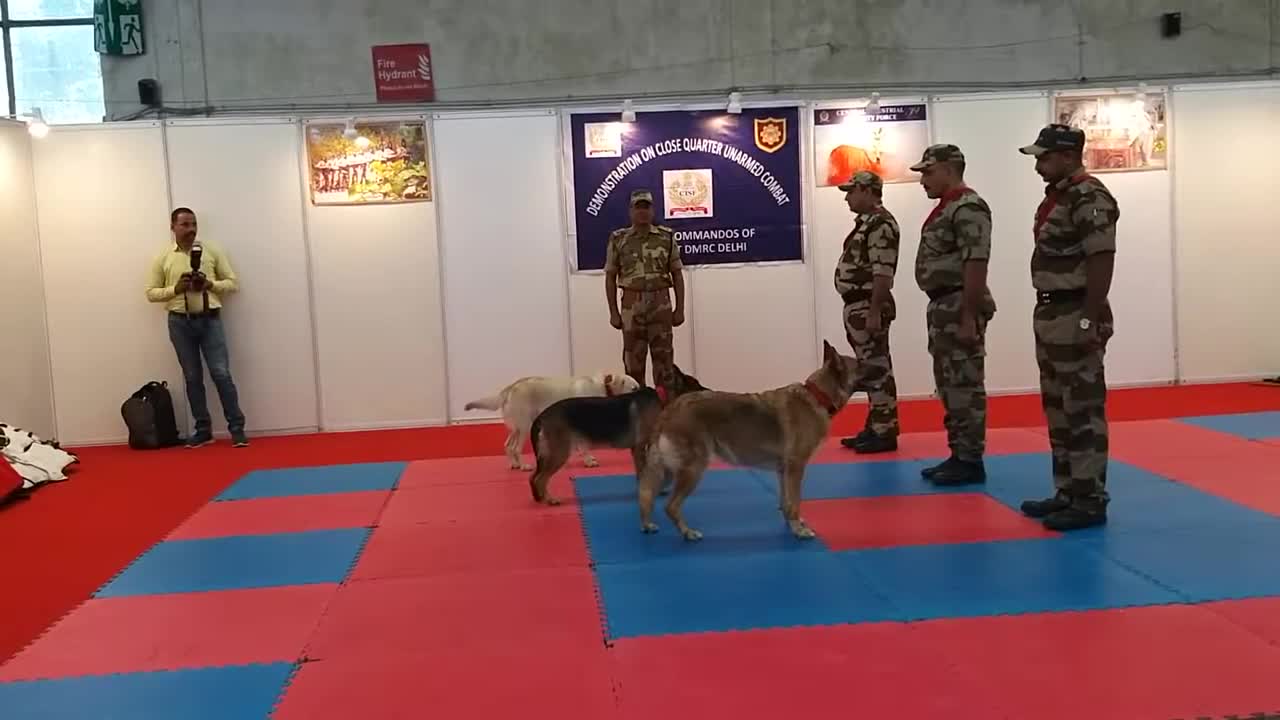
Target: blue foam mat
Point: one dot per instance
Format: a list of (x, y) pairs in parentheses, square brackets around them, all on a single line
[(736, 592), (1253, 426), (1165, 542), (245, 691), (319, 480), (241, 561)]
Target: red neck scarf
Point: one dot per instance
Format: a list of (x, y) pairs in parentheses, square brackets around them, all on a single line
[(947, 198), (1051, 196)]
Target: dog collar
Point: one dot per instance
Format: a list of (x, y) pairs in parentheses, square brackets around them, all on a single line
[(662, 394), (823, 399)]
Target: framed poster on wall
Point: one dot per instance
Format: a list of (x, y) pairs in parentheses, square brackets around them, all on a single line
[(372, 162), (847, 140), (727, 184), (1124, 132)]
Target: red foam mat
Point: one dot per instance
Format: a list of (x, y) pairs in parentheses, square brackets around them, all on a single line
[(522, 680), (554, 610), (1260, 616), (1234, 468), (298, 513), (1150, 663), (850, 671), (451, 471), (169, 632), (853, 523), (481, 543), (491, 501)]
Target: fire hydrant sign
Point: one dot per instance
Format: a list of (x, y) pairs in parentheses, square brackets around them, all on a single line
[(402, 73)]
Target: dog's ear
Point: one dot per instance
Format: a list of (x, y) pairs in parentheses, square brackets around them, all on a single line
[(830, 357)]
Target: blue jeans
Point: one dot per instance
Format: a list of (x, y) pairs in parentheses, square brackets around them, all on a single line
[(190, 337)]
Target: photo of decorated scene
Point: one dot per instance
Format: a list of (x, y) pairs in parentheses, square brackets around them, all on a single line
[(1122, 132), (847, 140), (368, 162)]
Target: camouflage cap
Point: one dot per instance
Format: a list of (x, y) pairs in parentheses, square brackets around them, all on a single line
[(935, 154), (1055, 137), (865, 179), (641, 196)]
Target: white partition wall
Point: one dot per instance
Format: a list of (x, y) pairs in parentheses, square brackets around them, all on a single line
[(241, 179), (1142, 351), (1227, 179), (505, 296), (379, 330), (396, 315), (26, 384), (832, 222), (104, 215)]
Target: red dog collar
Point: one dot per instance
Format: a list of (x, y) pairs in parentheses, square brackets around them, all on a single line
[(823, 399)]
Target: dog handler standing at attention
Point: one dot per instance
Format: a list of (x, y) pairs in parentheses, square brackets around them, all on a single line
[(864, 279), (1071, 269), (644, 260), (951, 268), (195, 323)]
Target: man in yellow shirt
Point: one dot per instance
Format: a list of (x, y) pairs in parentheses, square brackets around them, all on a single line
[(190, 278)]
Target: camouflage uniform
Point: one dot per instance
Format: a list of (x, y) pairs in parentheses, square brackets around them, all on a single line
[(870, 251), (1076, 221), (644, 261), (957, 231)]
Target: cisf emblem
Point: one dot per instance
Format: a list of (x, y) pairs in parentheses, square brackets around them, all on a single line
[(771, 133), (688, 192)]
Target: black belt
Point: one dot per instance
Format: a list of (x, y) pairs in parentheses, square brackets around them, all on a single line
[(210, 313), (939, 293), (1047, 297), (855, 295)]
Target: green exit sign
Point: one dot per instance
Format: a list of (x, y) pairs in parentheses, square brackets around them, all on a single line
[(117, 27)]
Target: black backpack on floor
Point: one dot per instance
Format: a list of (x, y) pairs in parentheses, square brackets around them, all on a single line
[(148, 413)]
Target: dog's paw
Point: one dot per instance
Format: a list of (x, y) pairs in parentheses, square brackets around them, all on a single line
[(526, 467), (552, 501), (649, 527), (692, 535), (590, 461)]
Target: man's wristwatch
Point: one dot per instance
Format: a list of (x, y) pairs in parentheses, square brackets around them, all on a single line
[(1085, 324)]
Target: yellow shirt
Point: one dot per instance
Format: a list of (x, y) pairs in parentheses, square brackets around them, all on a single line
[(170, 265)]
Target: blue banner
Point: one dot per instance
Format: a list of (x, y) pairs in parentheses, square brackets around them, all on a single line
[(727, 184)]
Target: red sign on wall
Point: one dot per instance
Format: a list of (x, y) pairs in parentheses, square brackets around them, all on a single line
[(402, 73)]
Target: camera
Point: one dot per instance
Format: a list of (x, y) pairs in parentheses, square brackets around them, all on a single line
[(197, 278)]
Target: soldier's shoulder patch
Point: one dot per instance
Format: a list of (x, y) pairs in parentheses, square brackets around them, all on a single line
[(664, 229)]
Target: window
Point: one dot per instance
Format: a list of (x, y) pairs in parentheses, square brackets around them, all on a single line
[(49, 60)]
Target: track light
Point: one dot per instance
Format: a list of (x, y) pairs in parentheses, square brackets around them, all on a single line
[(628, 112), (351, 133), (1142, 91), (735, 103), (36, 124)]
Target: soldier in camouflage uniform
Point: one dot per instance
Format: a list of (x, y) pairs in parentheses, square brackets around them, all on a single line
[(951, 268), (1071, 268), (644, 261), (864, 279)]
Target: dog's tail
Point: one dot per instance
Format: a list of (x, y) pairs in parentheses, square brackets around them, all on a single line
[(493, 402)]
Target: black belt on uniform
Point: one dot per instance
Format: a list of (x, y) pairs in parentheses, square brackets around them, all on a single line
[(939, 293), (855, 295), (1047, 297), (210, 313)]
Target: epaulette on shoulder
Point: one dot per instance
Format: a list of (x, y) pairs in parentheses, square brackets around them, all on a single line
[(665, 229)]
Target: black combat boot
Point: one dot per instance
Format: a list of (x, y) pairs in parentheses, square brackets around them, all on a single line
[(1042, 508), (961, 472), (874, 443), (1083, 512), (929, 472), (854, 441)]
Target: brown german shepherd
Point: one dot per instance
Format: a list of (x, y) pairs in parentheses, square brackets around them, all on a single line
[(777, 430), (621, 421)]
